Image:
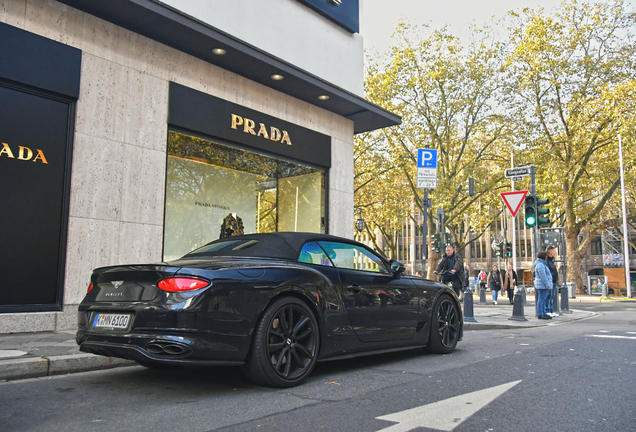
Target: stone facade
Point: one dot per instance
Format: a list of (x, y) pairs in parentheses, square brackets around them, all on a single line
[(119, 158)]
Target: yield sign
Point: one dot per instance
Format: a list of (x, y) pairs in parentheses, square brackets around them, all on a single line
[(513, 200)]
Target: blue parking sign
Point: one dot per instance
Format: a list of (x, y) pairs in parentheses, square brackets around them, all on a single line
[(426, 158)]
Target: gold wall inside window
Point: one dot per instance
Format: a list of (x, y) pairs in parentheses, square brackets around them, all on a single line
[(213, 191)]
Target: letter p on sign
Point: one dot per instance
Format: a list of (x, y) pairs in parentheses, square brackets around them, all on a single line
[(426, 158)]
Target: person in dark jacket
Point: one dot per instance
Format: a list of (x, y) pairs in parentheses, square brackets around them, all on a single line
[(466, 275), (549, 306), (494, 283), (452, 268), (509, 282)]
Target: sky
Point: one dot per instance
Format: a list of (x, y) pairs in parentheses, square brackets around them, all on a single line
[(378, 19)]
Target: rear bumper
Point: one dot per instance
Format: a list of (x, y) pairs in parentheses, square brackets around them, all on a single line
[(158, 333), (139, 355), (160, 348)]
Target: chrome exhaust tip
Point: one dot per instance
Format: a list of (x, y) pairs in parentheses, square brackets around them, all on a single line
[(174, 349)]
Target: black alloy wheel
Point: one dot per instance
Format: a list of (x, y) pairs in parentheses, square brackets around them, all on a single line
[(444, 327), (285, 346)]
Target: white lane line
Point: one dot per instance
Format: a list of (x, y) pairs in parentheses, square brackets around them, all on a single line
[(612, 336), (12, 353), (446, 414), (603, 331), (630, 332)]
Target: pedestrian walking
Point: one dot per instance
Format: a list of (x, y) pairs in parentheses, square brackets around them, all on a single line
[(494, 283), (452, 268), (509, 283), (542, 284), (549, 306), (482, 279)]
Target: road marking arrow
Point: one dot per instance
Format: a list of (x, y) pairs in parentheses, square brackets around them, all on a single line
[(446, 414)]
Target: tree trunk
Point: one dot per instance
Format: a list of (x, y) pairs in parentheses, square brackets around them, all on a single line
[(574, 260), (431, 263)]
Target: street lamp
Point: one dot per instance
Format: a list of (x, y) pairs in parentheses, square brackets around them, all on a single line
[(360, 223)]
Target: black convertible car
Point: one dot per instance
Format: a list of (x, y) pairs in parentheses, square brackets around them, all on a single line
[(274, 304)]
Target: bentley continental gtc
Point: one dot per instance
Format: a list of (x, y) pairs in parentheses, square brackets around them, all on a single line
[(273, 304)]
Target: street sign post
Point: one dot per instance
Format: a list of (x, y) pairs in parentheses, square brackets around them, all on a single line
[(426, 179), (427, 168), (514, 200), (518, 172)]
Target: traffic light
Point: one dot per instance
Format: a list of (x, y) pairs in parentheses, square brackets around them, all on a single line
[(436, 242), (448, 239), (498, 249), (542, 221), (471, 186), (531, 211), (508, 249)]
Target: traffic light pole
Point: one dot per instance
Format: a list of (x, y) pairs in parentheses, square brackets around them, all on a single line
[(535, 228)]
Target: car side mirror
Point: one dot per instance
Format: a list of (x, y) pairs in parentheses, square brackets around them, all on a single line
[(397, 267)]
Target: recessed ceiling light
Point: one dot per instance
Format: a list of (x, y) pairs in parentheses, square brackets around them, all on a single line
[(277, 77), (323, 97), (219, 51)]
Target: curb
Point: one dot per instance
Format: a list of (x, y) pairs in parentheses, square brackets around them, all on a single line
[(34, 367), (491, 326)]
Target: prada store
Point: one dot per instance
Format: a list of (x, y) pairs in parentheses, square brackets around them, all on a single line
[(133, 132), (232, 170)]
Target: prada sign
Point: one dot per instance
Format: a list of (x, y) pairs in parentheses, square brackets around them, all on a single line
[(249, 125), (24, 154), (199, 113)]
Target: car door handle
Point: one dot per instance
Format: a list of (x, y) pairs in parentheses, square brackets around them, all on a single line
[(354, 288)]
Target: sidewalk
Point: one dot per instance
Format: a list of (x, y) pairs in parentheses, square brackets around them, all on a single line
[(28, 355)]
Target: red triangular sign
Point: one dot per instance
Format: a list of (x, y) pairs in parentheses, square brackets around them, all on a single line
[(514, 200)]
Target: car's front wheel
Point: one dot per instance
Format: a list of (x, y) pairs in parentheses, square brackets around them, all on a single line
[(444, 326), (285, 346)]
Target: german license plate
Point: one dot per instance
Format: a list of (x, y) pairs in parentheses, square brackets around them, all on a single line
[(110, 320)]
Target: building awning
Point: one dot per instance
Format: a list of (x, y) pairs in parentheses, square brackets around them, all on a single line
[(184, 33)]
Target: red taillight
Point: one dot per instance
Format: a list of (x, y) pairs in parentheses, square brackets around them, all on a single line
[(90, 287), (179, 284)]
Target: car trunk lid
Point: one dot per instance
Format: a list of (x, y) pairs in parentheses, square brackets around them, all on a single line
[(130, 283)]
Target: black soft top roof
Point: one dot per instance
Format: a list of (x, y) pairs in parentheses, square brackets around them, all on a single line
[(284, 245)]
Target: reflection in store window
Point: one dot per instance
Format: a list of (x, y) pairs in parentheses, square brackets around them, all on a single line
[(216, 191)]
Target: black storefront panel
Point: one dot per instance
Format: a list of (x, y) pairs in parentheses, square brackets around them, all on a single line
[(33, 155), (39, 83)]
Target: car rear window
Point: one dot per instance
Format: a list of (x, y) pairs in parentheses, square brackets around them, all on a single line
[(224, 246)]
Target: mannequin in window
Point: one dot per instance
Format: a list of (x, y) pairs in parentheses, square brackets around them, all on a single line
[(232, 226)]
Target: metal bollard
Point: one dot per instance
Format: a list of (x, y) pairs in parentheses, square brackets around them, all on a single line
[(469, 312), (565, 302), (517, 308), (525, 300), (482, 296), (555, 301)]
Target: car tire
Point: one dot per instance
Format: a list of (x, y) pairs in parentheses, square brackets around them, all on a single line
[(445, 326), (285, 346)]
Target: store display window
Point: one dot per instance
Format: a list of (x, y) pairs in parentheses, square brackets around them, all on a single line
[(216, 191)]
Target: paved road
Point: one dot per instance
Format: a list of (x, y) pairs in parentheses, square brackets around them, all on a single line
[(578, 376)]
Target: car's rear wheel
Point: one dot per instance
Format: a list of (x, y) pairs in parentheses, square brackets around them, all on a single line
[(285, 346), (444, 327)]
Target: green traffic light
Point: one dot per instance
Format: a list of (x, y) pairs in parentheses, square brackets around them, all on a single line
[(531, 220)]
